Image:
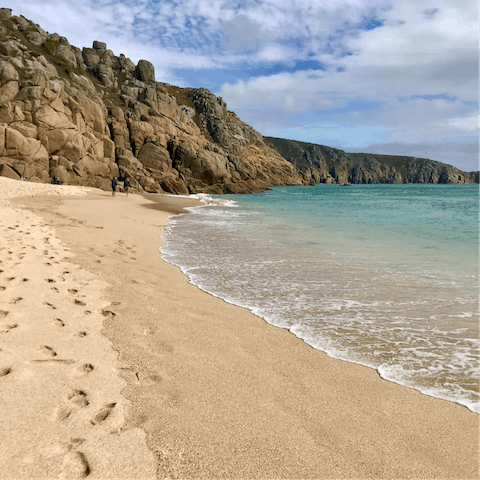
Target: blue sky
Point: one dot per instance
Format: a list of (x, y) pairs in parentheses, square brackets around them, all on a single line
[(378, 76)]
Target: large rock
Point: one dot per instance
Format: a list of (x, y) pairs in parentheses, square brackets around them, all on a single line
[(18, 146), (47, 116), (99, 45), (202, 164), (8, 73), (8, 91), (5, 13), (67, 53), (61, 172), (27, 129), (91, 166), (145, 71), (174, 185), (7, 171), (120, 134), (153, 156)]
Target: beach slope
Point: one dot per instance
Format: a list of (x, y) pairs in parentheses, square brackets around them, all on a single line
[(218, 392)]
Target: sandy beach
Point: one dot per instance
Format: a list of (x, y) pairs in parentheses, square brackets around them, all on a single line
[(113, 366)]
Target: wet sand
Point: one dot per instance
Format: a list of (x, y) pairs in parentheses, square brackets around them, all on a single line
[(202, 389)]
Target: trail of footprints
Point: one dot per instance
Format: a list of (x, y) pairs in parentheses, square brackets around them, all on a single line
[(76, 401), (125, 249)]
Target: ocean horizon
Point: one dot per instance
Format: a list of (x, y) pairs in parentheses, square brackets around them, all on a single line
[(381, 275)]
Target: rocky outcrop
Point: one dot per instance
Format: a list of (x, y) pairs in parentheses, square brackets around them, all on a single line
[(89, 115), (321, 164)]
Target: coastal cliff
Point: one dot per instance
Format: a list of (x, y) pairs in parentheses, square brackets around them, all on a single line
[(88, 115), (321, 164)]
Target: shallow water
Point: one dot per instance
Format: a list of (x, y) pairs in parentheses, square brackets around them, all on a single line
[(382, 275)]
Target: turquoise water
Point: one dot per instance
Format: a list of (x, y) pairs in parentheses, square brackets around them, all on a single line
[(382, 275)]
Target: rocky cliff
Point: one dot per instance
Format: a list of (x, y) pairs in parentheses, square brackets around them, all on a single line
[(321, 164), (89, 115)]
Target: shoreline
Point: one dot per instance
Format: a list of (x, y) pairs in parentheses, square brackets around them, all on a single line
[(319, 349), (215, 289), (220, 393)]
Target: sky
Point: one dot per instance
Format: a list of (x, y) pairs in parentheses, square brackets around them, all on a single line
[(377, 76)]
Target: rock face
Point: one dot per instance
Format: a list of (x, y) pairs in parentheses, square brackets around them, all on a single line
[(89, 115), (321, 164)]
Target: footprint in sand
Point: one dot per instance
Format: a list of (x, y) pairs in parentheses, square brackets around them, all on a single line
[(76, 442), (3, 313), (50, 280), (62, 413), (2, 288), (16, 300), (50, 305), (103, 413), (78, 398), (5, 371), (5, 328), (58, 322), (79, 302), (80, 334), (83, 369), (48, 351), (73, 291), (75, 465)]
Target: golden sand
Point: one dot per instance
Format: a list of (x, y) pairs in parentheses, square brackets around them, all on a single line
[(114, 366)]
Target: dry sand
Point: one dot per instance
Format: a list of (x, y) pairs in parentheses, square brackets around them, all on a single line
[(212, 390)]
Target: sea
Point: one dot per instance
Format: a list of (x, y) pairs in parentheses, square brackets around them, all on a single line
[(386, 276)]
